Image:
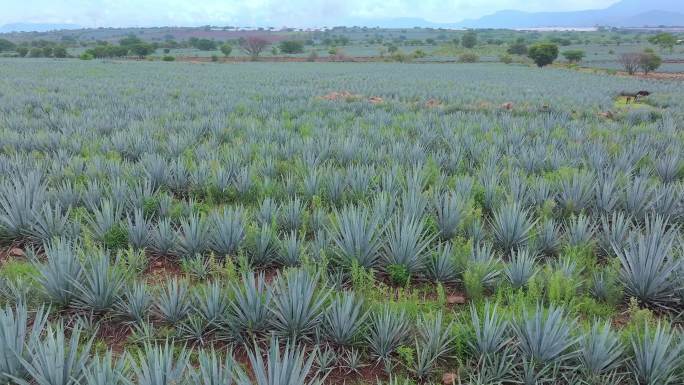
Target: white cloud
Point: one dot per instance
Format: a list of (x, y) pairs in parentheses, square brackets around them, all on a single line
[(108, 13)]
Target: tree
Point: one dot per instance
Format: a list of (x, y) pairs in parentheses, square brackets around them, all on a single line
[(130, 40), (630, 61), (469, 39), (226, 49), (205, 45), (649, 61), (291, 46), (35, 52), (6, 45), (22, 51), (141, 50), (59, 52), (518, 48), (543, 53), (664, 40), (253, 46), (574, 56)]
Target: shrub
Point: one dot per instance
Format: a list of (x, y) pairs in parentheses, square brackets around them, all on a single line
[(168, 58), (574, 56), (506, 59), (291, 46), (468, 57), (543, 54)]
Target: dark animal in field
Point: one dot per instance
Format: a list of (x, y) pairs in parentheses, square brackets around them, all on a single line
[(634, 96)]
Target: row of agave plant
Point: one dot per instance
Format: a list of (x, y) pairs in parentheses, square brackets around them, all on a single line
[(325, 332)]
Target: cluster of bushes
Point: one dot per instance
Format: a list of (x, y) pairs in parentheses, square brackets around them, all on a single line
[(128, 46), (647, 61)]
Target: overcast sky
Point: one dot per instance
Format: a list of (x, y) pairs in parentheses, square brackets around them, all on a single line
[(277, 13)]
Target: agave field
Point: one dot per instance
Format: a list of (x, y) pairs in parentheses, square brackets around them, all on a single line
[(330, 223)]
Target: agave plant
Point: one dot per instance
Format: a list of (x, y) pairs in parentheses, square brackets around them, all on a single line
[(356, 234), (657, 357), (521, 268), (228, 231), (490, 331), (288, 367), (648, 267), (511, 227), (173, 304), (105, 370), (16, 336), (450, 210), (249, 310), (344, 319), (435, 344), (407, 243), (440, 265), (545, 336), (212, 303), (100, 285), (388, 330), (138, 230), (292, 248), (193, 236), (52, 222), (263, 247), (62, 270), (19, 200), (56, 359), (159, 365), (211, 371), (135, 303), (163, 237), (548, 238), (600, 350), (580, 230), (298, 306)]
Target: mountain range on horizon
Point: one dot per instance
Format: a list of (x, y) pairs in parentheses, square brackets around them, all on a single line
[(625, 13)]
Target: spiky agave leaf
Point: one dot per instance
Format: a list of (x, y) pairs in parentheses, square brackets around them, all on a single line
[(600, 350), (292, 248), (105, 370), (298, 305), (545, 336), (212, 303), (16, 336), (135, 303), (19, 200), (100, 285), (263, 247), (211, 371), (287, 367), (163, 237), (60, 272), (173, 303), (159, 365), (56, 359), (52, 222), (138, 228), (440, 265), (407, 243), (344, 318), (388, 330), (648, 266), (435, 344), (521, 268), (228, 231), (511, 227), (193, 236), (490, 331), (249, 310), (657, 357), (357, 235)]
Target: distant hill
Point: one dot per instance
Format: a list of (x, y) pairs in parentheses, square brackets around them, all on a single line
[(35, 27), (626, 13)]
